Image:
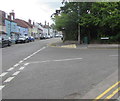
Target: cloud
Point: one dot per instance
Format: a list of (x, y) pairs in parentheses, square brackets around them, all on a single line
[(36, 10)]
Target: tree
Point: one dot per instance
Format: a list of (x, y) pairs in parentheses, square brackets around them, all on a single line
[(96, 19)]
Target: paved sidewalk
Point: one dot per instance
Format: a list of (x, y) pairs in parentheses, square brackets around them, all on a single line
[(73, 44)]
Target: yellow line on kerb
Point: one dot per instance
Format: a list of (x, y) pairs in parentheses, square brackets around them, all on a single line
[(105, 92), (114, 92)]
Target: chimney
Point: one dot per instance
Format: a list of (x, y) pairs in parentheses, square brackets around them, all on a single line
[(33, 23), (29, 21), (9, 17), (12, 15), (45, 22)]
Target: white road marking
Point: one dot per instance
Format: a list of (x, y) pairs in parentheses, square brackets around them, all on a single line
[(68, 59), (1, 87), (26, 64), (3, 74), (113, 55), (10, 69), (34, 53), (16, 65), (28, 57), (8, 79), (57, 60), (25, 59), (16, 73), (21, 68), (20, 61)]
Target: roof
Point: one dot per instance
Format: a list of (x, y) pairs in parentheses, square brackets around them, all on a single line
[(23, 23), (40, 29), (46, 26)]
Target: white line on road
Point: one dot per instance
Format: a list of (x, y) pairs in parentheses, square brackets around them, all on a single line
[(16, 65), (25, 59), (57, 60), (8, 79), (34, 53), (16, 73), (10, 69), (68, 59), (1, 87), (21, 68), (3, 74), (20, 61), (113, 55), (26, 64)]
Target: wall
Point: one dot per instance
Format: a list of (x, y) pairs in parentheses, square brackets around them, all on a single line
[(8, 28), (22, 30)]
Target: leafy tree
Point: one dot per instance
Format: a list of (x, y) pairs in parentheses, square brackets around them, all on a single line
[(96, 19)]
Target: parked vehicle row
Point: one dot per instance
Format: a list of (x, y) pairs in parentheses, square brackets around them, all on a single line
[(46, 36), (6, 40)]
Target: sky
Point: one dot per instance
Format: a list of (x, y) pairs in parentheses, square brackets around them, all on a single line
[(36, 10)]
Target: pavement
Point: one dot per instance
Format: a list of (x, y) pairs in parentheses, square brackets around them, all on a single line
[(74, 44)]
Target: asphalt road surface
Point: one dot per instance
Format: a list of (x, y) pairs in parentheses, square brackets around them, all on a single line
[(37, 71)]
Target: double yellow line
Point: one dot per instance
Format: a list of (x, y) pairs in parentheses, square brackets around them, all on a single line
[(109, 89)]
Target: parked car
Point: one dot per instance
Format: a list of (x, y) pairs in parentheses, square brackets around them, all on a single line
[(47, 36), (21, 39), (58, 35), (27, 38), (43, 36), (31, 38), (5, 41)]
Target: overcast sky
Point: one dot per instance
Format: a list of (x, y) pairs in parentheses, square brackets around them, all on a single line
[(36, 10)]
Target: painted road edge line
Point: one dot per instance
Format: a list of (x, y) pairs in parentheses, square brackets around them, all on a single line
[(21, 68), (20, 61), (9, 79), (26, 64), (16, 73), (10, 69), (1, 87), (3, 74), (114, 92), (106, 91), (33, 53), (16, 65)]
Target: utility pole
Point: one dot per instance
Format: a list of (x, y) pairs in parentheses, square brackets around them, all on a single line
[(79, 37)]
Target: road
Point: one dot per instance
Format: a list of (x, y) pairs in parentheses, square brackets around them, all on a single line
[(37, 71)]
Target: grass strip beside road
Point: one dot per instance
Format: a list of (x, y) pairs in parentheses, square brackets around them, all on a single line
[(106, 91)]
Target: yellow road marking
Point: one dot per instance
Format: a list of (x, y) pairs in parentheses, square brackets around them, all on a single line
[(114, 92), (105, 92), (69, 46)]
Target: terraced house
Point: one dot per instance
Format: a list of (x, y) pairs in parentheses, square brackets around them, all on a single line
[(2, 22)]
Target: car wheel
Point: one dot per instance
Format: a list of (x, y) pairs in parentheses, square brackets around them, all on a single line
[(9, 44)]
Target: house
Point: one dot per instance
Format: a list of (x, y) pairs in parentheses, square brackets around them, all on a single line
[(22, 27), (46, 29), (2, 22), (35, 31), (30, 28), (38, 30), (8, 25)]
